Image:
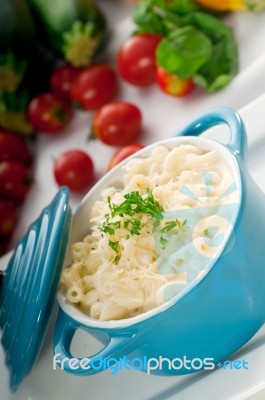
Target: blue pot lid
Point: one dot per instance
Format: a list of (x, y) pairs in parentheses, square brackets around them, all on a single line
[(29, 287)]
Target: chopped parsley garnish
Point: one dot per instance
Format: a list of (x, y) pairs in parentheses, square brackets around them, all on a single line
[(169, 225), (116, 260), (134, 204), (110, 227), (114, 245), (181, 224), (206, 232), (133, 226), (209, 232), (163, 241), (131, 211)]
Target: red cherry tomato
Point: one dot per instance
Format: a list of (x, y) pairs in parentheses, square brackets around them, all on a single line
[(8, 219), (74, 169), (95, 86), (48, 113), (137, 59), (62, 80), (15, 181), (172, 84), (14, 147), (122, 153), (117, 124)]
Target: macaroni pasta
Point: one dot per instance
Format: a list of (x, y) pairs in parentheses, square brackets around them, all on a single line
[(116, 274)]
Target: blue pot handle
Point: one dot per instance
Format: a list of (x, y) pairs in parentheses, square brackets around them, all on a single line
[(117, 346), (216, 116)]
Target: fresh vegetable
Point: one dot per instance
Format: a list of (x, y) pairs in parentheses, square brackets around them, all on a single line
[(196, 45), (117, 124), (16, 42), (160, 16), (172, 85), (137, 59), (62, 80), (232, 5), (48, 113), (122, 153), (15, 181), (21, 57), (95, 86), (14, 105), (74, 29), (184, 51), (12, 72), (8, 219), (13, 116), (13, 147), (74, 169), (25, 67)]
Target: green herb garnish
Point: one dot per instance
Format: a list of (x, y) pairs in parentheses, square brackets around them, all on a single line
[(134, 204), (114, 245), (163, 241), (108, 226), (131, 211), (209, 232), (180, 223), (133, 226), (116, 260), (206, 232), (132, 207), (169, 225)]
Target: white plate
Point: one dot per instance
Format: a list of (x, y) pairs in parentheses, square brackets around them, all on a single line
[(162, 116)]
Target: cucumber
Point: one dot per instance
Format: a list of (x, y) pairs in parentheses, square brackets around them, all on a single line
[(16, 41), (74, 29), (21, 56), (25, 67)]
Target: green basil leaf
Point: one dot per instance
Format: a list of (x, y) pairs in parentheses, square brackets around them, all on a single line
[(208, 24), (184, 51), (147, 20), (160, 16), (180, 7), (218, 71)]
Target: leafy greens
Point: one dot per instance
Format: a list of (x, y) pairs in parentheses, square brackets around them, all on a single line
[(195, 44)]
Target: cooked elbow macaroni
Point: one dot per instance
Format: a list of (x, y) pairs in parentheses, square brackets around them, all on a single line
[(152, 266)]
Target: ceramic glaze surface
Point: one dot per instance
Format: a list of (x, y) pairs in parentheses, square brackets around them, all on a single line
[(30, 286), (214, 316)]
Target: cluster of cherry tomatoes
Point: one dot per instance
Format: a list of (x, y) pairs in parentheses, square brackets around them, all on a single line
[(15, 182), (116, 123)]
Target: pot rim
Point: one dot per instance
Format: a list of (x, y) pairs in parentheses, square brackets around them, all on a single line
[(202, 142)]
